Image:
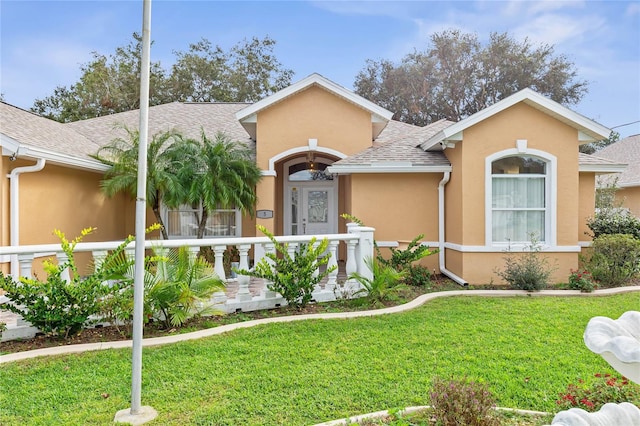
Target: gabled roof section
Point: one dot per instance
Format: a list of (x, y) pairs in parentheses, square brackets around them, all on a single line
[(588, 130), (28, 135), (397, 150), (626, 150), (379, 116), (190, 119)]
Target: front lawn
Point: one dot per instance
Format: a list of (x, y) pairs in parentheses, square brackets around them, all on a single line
[(528, 349)]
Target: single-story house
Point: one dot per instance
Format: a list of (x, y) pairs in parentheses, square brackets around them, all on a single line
[(474, 188), (627, 151)]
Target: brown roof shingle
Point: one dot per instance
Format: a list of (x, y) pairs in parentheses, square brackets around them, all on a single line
[(625, 151)]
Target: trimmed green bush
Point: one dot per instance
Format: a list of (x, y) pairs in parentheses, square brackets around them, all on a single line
[(62, 308), (609, 221), (615, 259), (417, 276)]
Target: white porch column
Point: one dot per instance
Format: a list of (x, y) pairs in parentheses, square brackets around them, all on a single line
[(364, 250)]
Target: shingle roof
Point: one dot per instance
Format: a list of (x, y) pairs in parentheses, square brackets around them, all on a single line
[(35, 131), (625, 151), (187, 118), (399, 142)]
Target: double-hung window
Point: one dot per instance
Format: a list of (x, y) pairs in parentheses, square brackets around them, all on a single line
[(183, 222), (519, 209)]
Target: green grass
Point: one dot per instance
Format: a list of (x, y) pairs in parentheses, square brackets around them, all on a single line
[(527, 349)]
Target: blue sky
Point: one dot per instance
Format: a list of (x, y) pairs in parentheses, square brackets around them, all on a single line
[(43, 43)]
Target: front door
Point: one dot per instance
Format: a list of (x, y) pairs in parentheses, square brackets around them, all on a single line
[(317, 208)]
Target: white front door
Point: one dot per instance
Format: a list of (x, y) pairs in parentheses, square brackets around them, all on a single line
[(317, 211), (311, 209)]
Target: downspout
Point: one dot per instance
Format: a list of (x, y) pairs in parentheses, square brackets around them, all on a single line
[(441, 240), (14, 215)]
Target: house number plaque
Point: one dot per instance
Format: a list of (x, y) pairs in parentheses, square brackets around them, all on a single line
[(264, 214)]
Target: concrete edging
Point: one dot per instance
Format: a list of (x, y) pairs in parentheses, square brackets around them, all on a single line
[(419, 301), (410, 410)]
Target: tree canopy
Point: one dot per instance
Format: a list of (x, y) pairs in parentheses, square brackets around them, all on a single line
[(205, 73), (457, 76)]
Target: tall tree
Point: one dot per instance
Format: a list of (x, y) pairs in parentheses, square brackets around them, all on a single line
[(457, 76), (108, 84), (593, 147), (218, 174), (247, 73), (162, 169)]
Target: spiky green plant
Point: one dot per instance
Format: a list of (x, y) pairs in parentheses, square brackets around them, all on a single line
[(179, 285), (385, 284)]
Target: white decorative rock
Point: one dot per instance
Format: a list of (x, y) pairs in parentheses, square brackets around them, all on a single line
[(617, 341), (621, 414)]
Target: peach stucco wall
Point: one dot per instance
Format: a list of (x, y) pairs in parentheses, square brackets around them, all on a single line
[(629, 197), (399, 206), (69, 200), (313, 113), (587, 200), (465, 193)]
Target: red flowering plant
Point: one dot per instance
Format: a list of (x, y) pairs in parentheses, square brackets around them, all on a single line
[(582, 280), (606, 388)]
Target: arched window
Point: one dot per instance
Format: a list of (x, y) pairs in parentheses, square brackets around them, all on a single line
[(518, 202)]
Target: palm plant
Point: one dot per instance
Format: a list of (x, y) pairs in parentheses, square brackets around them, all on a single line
[(217, 173), (179, 285), (162, 177), (385, 282)]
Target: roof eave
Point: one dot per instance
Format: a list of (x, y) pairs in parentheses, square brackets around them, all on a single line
[(602, 168), (588, 130), (63, 159), (313, 79), (371, 168)]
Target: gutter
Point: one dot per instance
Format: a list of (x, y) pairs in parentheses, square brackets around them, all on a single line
[(14, 215), (441, 239)]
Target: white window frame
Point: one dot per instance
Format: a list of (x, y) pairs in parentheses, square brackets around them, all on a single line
[(238, 228), (551, 196)]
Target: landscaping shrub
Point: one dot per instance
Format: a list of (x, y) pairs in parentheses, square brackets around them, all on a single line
[(294, 277), (609, 221), (417, 275), (385, 283), (582, 280), (462, 402), (179, 285), (606, 388), (402, 259), (528, 271), (62, 308), (615, 259)]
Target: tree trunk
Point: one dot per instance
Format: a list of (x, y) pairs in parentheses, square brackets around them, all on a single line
[(203, 222), (158, 216)]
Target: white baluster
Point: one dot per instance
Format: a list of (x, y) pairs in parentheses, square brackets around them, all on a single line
[(351, 267), (333, 262), (219, 296), (316, 271), (243, 280), (26, 264), (291, 249), (99, 257), (62, 259), (268, 248)]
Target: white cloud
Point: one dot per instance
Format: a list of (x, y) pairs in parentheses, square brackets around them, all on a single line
[(633, 9)]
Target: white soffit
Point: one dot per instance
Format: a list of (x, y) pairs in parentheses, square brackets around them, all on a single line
[(379, 116), (588, 129)]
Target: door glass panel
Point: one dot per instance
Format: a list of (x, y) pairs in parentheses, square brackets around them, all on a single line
[(294, 211), (318, 206)]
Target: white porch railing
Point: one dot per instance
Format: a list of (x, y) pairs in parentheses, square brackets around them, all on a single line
[(243, 292)]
